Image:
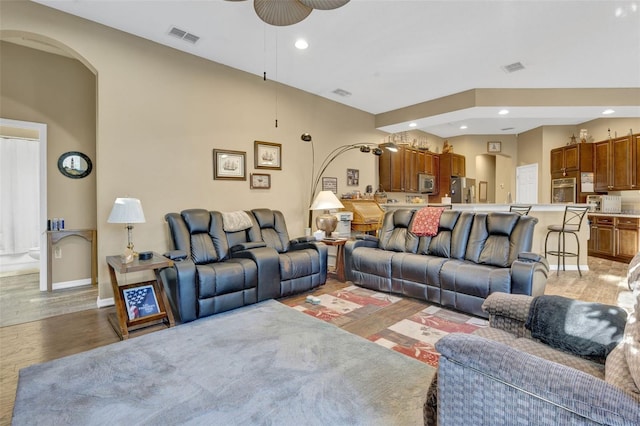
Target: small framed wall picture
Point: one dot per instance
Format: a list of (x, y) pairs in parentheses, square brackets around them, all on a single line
[(267, 155), (229, 164), (353, 177), (494, 146), (260, 181), (330, 184)]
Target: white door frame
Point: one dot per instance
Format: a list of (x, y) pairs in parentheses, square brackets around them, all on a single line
[(41, 128)]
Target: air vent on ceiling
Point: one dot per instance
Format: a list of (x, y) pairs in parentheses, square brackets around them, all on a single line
[(183, 35), (342, 92), (507, 128), (516, 66)]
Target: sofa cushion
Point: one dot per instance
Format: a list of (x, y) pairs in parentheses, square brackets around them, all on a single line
[(541, 350), (298, 263), (395, 235)]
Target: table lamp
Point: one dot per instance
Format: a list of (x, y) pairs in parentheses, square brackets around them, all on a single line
[(326, 200), (128, 211)]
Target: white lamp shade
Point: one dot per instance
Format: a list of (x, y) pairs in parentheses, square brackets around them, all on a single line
[(126, 210), (326, 200)]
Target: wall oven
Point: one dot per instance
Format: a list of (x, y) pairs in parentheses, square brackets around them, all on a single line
[(563, 190)]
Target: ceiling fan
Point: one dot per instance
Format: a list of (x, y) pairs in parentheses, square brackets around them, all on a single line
[(288, 12)]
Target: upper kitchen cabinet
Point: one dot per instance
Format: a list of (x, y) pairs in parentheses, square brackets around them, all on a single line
[(391, 170), (453, 164), (572, 158), (398, 171), (616, 164)]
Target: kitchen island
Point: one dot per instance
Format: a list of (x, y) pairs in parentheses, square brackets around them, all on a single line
[(547, 214)]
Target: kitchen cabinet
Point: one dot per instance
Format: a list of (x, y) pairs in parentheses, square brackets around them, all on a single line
[(613, 237), (601, 238), (627, 236), (391, 170), (398, 172), (616, 164), (572, 158)]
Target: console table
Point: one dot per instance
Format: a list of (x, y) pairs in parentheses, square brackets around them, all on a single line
[(53, 237)]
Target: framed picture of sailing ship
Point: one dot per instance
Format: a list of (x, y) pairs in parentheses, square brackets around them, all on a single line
[(229, 164), (268, 155)]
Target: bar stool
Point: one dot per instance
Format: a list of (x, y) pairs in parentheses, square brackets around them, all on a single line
[(521, 210), (572, 220)]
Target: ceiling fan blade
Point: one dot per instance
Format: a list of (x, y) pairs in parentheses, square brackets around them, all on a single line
[(281, 12), (324, 4)]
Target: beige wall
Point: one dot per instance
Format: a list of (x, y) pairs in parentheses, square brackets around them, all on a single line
[(60, 92), (160, 113)]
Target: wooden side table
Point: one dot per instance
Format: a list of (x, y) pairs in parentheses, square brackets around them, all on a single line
[(54, 237), (339, 244), (141, 305)]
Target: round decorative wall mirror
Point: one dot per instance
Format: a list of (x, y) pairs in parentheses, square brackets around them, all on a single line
[(74, 164)]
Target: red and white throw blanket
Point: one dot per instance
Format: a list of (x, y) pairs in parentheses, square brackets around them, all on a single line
[(426, 221)]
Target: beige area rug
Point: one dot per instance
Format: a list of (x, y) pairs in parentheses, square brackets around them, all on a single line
[(22, 301)]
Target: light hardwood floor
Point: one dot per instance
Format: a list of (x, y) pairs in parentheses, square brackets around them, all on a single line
[(34, 342), (22, 301)]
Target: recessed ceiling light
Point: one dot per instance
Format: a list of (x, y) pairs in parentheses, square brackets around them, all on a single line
[(301, 44), (503, 112), (608, 111), (412, 124), (464, 126)]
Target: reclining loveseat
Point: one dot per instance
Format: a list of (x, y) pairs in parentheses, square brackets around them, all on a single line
[(223, 261), (471, 256)]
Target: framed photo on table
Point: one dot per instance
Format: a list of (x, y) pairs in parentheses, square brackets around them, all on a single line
[(267, 155), (260, 181), (229, 164), (141, 302)]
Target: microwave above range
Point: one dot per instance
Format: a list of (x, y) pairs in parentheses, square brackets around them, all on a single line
[(426, 183)]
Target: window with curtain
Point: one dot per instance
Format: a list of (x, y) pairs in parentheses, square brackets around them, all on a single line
[(19, 195)]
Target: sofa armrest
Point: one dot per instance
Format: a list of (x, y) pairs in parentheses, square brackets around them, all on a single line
[(268, 264), (508, 312), (498, 382), (305, 239), (179, 283), (176, 255), (529, 274), (360, 241), (248, 246)]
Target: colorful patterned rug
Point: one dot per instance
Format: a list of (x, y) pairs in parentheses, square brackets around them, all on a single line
[(414, 336)]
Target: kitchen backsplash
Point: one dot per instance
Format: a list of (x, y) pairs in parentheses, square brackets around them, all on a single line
[(630, 200)]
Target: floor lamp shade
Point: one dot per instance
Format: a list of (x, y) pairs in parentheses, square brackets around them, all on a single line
[(326, 200)]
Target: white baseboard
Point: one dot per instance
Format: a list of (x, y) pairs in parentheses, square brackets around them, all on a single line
[(71, 284), (103, 303)]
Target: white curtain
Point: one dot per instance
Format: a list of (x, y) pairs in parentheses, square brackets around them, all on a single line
[(19, 195)]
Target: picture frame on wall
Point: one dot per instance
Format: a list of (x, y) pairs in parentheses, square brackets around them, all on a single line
[(353, 177), (330, 184), (230, 165), (267, 155), (260, 181)]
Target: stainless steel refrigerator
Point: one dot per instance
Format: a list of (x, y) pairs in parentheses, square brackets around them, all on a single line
[(463, 190)]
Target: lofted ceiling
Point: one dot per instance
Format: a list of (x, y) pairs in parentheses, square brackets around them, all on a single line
[(403, 59)]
